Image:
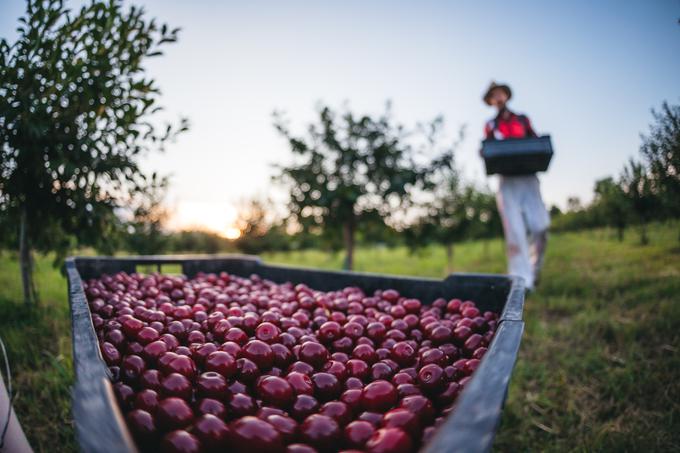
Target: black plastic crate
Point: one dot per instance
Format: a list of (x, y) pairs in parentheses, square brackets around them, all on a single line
[(470, 427), (517, 156)]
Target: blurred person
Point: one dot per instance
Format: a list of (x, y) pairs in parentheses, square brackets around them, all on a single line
[(12, 437), (525, 218)]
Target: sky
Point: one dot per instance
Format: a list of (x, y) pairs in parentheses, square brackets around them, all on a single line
[(586, 72)]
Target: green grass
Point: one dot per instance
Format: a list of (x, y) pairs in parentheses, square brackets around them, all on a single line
[(38, 343), (599, 367)]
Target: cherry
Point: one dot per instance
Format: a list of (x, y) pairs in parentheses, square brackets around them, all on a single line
[(248, 370), (147, 334), (357, 433), (379, 396), (407, 390), (303, 406), (461, 334), (404, 419), (152, 351), (449, 395), (175, 384), (238, 387), (376, 331), (286, 426), (259, 353), (421, 406), (202, 352), (329, 331), (211, 406), (314, 354), (353, 383), (357, 368), (276, 391), (453, 306), (301, 383), (320, 431), (479, 353), (183, 365), (471, 365), (180, 441), (431, 378), (211, 385), (212, 432), (300, 448), (343, 345), (373, 418), (301, 367), (250, 434), (326, 386), (110, 354), (381, 370), (470, 312), (267, 332), (337, 369), (240, 404), (473, 342), (221, 362), (147, 400), (353, 330), (352, 398), (115, 337), (142, 425), (132, 367), (389, 440), (235, 335), (401, 378), (266, 411), (131, 326), (403, 353), (125, 394), (231, 347), (338, 411), (282, 355), (365, 353), (174, 413)]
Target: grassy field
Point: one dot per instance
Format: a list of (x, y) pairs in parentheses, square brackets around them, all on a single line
[(599, 366)]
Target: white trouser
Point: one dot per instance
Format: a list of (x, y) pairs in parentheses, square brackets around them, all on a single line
[(523, 214)]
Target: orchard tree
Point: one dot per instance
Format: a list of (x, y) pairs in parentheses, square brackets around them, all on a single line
[(661, 153), (487, 220), (458, 211), (77, 112), (613, 205), (638, 187), (347, 165)]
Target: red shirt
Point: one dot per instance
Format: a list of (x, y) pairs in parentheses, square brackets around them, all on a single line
[(508, 125)]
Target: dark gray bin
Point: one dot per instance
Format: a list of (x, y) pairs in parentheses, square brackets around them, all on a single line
[(472, 425), (517, 156)]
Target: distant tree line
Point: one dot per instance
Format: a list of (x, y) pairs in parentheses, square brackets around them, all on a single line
[(647, 188)]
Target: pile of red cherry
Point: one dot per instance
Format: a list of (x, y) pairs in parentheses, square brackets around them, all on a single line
[(225, 362)]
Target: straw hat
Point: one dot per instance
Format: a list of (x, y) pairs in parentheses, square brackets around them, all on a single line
[(495, 86)]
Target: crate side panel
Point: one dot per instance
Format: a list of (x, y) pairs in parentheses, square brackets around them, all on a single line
[(475, 417)]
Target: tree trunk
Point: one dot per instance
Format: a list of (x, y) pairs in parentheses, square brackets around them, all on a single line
[(348, 238), (449, 257), (26, 261), (620, 232), (644, 239)]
